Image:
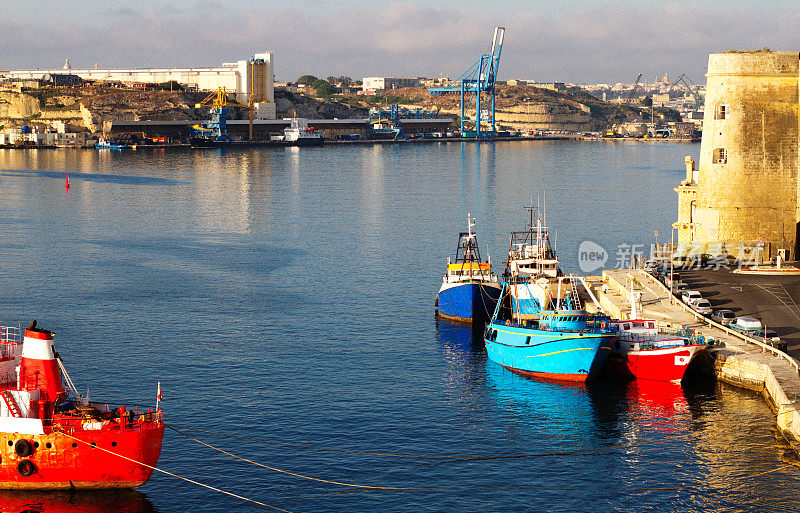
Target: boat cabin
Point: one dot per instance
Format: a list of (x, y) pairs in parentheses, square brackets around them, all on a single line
[(468, 265), (530, 252), (469, 271), (638, 334), (563, 320)]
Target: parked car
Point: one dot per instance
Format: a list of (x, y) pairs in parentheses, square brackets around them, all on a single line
[(680, 288), (723, 317), (701, 306), (690, 296), (651, 265), (746, 324), (724, 261), (684, 262), (769, 337), (670, 279)]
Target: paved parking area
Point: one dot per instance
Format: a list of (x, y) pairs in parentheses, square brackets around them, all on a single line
[(773, 299)]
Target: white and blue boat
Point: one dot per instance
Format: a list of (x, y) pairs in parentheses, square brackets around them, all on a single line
[(469, 290), (532, 269), (563, 343), (111, 144)]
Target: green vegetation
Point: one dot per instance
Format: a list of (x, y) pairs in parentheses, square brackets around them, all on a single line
[(763, 50), (307, 80), (42, 94), (323, 88), (170, 86)]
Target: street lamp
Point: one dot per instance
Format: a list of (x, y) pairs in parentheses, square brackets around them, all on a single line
[(671, 266)]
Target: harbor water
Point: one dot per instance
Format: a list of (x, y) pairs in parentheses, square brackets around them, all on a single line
[(286, 298)]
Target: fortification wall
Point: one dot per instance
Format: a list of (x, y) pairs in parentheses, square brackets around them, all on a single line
[(747, 185)]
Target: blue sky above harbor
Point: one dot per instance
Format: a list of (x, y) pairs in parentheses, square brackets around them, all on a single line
[(572, 41)]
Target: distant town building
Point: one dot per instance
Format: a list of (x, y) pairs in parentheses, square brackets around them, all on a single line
[(744, 193), (254, 76), (659, 100), (384, 83), (435, 82), (61, 79), (559, 87)]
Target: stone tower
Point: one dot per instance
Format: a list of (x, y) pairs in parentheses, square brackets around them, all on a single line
[(746, 188)]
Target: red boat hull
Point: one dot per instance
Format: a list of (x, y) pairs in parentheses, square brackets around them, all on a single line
[(70, 463), (660, 364), (551, 377)]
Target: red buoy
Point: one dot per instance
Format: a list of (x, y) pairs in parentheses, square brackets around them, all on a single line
[(66, 186)]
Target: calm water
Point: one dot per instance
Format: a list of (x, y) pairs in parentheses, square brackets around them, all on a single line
[(288, 296)]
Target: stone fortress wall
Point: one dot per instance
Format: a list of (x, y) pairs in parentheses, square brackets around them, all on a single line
[(746, 188)]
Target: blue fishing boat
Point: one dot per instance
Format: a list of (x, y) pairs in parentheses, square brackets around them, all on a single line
[(563, 343), (469, 290)]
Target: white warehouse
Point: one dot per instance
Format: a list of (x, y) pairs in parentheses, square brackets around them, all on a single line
[(254, 75)]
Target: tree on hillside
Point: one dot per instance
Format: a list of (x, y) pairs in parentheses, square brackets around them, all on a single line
[(323, 88), (331, 80), (307, 79), (345, 80), (170, 86)]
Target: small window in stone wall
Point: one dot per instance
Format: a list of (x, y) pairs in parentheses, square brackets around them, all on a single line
[(722, 111), (720, 156)]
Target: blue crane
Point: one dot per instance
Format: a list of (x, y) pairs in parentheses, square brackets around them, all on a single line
[(387, 123), (478, 78)]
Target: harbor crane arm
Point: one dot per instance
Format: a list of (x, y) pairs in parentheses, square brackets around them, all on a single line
[(610, 119), (478, 78), (698, 102)]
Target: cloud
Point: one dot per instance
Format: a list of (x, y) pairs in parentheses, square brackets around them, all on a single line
[(361, 38)]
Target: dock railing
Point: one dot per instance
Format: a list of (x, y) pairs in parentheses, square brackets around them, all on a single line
[(705, 320)]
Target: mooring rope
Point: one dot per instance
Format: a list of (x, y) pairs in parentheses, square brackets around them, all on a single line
[(467, 457), (177, 476), (441, 458), (413, 488), (310, 478)]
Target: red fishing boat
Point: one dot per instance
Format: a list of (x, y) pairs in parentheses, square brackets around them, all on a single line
[(645, 351), (52, 438)]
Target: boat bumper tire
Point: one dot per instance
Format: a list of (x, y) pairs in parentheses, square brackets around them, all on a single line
[(26, 468), (23, 448)]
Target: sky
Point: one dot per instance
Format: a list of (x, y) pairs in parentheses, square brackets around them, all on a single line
[(603, 41)]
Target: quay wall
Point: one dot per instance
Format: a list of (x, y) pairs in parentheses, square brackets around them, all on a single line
[(744, 372), (734, 358)]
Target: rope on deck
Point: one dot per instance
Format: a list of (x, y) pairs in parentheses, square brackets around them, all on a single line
[(177, 476)]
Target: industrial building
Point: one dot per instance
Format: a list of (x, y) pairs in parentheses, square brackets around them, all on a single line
[(255, 75), (744, 193), (384, 83)]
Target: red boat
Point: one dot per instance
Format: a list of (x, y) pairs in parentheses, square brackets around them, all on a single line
[(51, 439), (644, 351)]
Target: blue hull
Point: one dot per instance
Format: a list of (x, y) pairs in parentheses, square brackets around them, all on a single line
[(469, 302), (557, 355)]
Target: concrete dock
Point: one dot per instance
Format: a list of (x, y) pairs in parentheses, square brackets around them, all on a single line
[(734, 358)]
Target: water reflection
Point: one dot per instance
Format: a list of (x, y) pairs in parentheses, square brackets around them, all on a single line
[(462, 349), (128, 501), (478, 174), (532, 404)]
